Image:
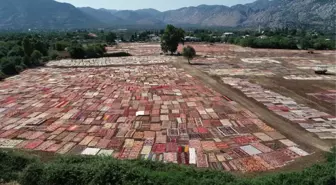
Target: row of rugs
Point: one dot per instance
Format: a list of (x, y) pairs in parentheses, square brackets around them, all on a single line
[(312, 120), (108, 61), (327, 96), (256, 156)]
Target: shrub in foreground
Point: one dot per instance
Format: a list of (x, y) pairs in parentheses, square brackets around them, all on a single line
[(84, 170), (12, 164)]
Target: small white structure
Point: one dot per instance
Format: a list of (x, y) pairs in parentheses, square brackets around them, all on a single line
[(262, 37), (226, 34), (192, 39), (155, 39)]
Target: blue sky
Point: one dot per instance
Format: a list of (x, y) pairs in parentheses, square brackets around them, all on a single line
[(157, 4)]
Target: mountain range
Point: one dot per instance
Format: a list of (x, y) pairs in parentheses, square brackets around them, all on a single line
[(50, 14)]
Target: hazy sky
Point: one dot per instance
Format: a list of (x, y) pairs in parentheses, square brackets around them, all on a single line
[(157, 4)]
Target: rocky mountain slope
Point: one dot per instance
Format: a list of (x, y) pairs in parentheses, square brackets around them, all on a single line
[(276, 13), (267, 13), (125, 17), (42, 14)]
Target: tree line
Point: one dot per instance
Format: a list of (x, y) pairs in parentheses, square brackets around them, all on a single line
[(283, 39), (100, 170), (17, 55), (269, 38), (280, 42), (19, 51)]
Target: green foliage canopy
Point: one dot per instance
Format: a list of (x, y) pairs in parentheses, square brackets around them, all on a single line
[(171, 37), (110, 38), (36, 57), (96, 170), (77, 52)]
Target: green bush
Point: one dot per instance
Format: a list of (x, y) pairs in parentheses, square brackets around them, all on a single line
[(12, 164), (2, 54), (105, 170), (36, 58), (91, 51), (94, 51), (94, 170), (32, 174), (16, 51), (27, 61), (45, 59), (53, 55), (19, 68), (77, 52), (8, 67), (65, 174), (107, 173), (61, 45), (41, 46), (331, 156), (2, 75)]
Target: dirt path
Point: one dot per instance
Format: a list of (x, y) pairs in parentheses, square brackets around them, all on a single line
[(285, 127)]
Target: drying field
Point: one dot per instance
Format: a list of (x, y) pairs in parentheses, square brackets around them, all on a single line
[(115, 61), (323, 124), (137, 49), (284, 83), (156, 111)]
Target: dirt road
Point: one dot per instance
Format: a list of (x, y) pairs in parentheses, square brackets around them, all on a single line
[(285, 127)]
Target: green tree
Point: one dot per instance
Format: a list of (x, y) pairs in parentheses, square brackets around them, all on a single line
[(36, 57), (11, 65), (132, 39), (2, 54), (16, 51), (171, 38), (4, 48), (27, 46), (41, 47), (2, 75), (26, 60), (95, 51), (28, 50), (230, 39), (246, 42), (110, 38), (92, 52), (53, 55), (61, 45), (304, 43), (189, 53), (77, 52)]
